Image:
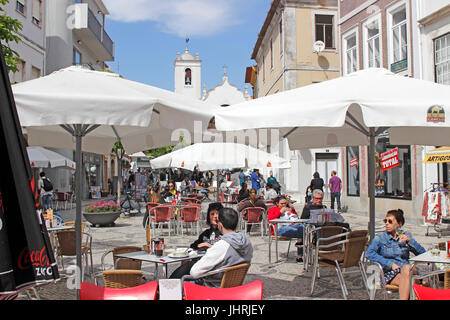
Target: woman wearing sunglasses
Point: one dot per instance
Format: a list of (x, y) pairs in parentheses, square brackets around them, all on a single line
[(391, 250)]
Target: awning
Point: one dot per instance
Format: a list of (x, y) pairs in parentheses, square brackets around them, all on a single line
[(438, 155)]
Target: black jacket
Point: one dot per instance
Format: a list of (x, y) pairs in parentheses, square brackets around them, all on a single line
[(205, 236), (317, 183)]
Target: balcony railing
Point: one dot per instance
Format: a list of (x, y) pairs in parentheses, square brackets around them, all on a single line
[(95, 26)]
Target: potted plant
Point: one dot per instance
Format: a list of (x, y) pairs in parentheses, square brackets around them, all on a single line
[(102, 213)]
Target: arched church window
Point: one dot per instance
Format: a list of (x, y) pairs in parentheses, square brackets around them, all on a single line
[(187, 77)]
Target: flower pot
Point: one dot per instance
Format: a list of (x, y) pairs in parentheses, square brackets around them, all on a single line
[(99, 219)]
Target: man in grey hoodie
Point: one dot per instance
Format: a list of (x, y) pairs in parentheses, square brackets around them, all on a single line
[(232, 249)]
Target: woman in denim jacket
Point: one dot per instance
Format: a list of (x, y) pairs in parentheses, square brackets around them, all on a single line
[(391, 250)]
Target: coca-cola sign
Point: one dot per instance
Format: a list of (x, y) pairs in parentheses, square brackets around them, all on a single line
[(37, 259)]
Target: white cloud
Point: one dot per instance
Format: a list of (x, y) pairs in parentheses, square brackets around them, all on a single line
[(178, 17)]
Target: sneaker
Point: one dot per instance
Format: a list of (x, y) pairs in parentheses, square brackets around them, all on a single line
[(299, 260)]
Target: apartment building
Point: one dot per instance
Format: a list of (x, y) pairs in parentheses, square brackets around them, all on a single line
[(76, 34), (31, 48), (409, 38), (286, 58), (433, 64)]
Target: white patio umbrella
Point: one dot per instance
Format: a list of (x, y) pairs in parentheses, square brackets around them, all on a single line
[(350, 110), (214, 156), (97, 109), (219, 155), (43, 158)]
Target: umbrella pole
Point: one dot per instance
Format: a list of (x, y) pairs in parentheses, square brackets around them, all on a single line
[(371, 182), (78, 178)]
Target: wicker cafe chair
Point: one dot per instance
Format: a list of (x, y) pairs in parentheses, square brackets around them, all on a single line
[(349, 256), (232, 276), (122, 263), (122, 278), (249, 291), (313, 233), (67, 246)]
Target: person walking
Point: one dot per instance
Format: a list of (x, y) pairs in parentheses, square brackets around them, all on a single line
[(46, 190), (316, 182), (335, 184)]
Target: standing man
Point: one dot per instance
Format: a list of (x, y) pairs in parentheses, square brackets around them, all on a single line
[(335, 189), (255, 179), (46, 190), (241, 177)]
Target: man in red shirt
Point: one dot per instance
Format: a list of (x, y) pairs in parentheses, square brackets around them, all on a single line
[(283, 210)]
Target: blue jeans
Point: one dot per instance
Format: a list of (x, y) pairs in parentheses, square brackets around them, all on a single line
[(46, 201), (292, 231), (337, 196)]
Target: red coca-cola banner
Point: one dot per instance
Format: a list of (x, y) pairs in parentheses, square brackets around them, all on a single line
[(35, 258), (389, 159)]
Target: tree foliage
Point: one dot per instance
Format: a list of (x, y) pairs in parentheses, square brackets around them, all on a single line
[(9, 28)]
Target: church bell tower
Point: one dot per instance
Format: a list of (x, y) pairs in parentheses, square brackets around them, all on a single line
[(188, 73)]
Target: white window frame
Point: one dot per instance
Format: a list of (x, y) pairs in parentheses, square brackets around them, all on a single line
[(39, 19), (335, 29), (24, 4), (352, 32), (390, 11), (365, 45), (444, 62)]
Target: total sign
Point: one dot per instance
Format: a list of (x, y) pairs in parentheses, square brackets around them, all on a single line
[(389, 159)]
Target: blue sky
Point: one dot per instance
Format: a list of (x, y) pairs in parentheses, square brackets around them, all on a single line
[(149, 33)]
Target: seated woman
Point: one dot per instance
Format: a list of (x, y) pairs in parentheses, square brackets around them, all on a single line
[(243, 193), (205, 191), (283, 210), (391, 250), (253, 201), (210, 236)]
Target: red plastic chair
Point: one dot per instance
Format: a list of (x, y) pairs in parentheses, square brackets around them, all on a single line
[(152, 205), (425, 293), (160, 215), (190, 214), (255, 215), (249, 291), (147, 291)]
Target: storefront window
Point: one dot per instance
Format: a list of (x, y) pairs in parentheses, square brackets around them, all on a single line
[(395, 180), (353, 171)]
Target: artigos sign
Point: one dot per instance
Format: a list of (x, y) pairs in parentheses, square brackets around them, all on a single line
[(389, 159)]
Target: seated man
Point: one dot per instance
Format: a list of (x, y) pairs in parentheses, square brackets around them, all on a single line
[(270, 193), (283, 211), (186, 186), (232, 249), (317, 197)]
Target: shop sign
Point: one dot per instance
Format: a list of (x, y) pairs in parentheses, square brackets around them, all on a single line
[(389, 159)]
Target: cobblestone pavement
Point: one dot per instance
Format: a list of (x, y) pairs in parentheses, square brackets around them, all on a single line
[(285, 280)]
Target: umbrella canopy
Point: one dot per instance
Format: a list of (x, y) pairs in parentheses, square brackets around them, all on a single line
[(438, 155), (26, 256), (350, 110), (214, 156), (141, 115), (99, 108), (43, 158)]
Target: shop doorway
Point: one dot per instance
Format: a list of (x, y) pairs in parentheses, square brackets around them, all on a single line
[(325, 163)]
